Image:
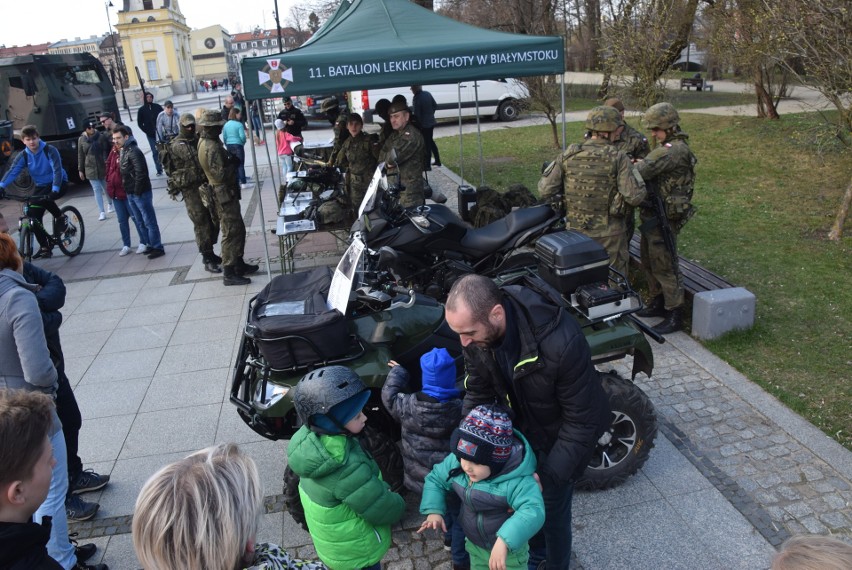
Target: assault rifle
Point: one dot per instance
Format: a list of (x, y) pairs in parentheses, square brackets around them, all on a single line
[(660, 219)]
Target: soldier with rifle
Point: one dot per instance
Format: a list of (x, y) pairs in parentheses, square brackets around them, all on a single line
[(669, 174)]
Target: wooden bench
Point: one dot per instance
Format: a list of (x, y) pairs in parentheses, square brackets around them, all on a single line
[(690, 82), (718, 306)]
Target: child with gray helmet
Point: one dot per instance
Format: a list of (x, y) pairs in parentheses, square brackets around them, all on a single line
[(348, 508), (491, 468)]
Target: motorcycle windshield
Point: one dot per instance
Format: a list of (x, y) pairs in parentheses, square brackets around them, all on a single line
[(368, 204)]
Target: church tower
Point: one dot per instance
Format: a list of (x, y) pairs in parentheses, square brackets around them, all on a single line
[(155, 40)]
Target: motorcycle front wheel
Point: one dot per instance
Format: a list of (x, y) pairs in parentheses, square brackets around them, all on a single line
[(381, 448), (626, 445)]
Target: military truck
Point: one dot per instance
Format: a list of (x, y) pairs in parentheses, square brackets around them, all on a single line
[(57, 94)]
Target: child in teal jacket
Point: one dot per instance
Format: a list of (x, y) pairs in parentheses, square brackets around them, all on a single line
[(491, 469), (348, 508)]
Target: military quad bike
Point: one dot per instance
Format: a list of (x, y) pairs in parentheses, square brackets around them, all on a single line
[(289, 331)]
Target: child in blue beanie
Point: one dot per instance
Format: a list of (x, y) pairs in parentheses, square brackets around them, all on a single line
[(428, 418)]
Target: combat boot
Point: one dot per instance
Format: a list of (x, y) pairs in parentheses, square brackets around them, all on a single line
[(215, 258), (243, 268), (232, 278), (672, 323), (656, 308), (210, 263)]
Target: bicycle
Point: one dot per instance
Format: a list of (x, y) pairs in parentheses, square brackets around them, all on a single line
[(70, 241)]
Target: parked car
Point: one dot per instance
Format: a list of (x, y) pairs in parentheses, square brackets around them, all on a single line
[(500, 99)]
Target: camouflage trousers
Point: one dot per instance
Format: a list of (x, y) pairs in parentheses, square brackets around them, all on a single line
[(356, 187), (412, 196), (230, 223), (663, 276), (616, 248), (205, 224)]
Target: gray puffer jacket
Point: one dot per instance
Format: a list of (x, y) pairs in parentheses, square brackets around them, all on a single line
[(427, 425)]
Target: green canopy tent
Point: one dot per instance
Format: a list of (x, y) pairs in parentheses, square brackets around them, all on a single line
[(386, 43)]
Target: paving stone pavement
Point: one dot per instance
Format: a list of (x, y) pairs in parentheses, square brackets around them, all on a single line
[(151, 344)]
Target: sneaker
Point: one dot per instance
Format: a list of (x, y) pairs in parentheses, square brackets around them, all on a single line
[(438, 197), (88, 481), (109, 209), (76, 509), (124, 251), (142, 248), (102, 217), (85, 551), (448, 543), (156, 252), (43, 253), (246, 185)]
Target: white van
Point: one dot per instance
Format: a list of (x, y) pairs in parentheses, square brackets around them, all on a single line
[(499, 99)]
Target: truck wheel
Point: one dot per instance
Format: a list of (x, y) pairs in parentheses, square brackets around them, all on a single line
[(508, 110), (381, 448), (625, 447)]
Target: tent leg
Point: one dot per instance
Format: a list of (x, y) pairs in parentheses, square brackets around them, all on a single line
[(479, 134), (563, 110), (260, 199)]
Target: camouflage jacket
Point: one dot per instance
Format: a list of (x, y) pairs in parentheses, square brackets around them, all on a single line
[(633, 143), (215, 160), (184, 169), (358, 154), (670, 169), (410, 156), (341, 133), (598, 181)]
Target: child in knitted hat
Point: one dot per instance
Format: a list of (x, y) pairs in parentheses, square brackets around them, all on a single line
[(492, 468), (428, 418)]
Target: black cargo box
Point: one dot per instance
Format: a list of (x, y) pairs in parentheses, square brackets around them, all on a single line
[(569, 259), (291, 323)]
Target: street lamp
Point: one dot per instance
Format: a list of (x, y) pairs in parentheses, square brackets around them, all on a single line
[(120, 66)]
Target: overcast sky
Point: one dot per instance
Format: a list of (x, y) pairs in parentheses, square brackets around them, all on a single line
[(40, 21)]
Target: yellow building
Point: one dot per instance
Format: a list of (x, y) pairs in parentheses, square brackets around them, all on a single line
[(155, 40), (211, 48)]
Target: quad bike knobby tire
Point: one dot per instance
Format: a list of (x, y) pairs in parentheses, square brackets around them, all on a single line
[(377, 444), (626, 445)]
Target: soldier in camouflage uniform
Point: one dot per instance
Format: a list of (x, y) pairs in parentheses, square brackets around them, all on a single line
[(382, 106), (597, 181), (338, 120), (359, 156), (670, 170), (632, 142), (221, 174), (186, 178), (410, 149)]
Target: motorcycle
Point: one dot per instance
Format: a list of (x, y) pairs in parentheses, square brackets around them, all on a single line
[(379, 320), (427, 248)]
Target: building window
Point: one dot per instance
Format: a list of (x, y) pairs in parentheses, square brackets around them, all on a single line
[(242, 45), (153, 74), (263, 43), (254, 44), (147, 4)]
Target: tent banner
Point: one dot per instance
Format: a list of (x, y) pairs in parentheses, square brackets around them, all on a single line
[(291, 73)]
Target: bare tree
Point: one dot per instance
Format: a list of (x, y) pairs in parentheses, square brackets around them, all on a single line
[(545, 95), (819, 53)]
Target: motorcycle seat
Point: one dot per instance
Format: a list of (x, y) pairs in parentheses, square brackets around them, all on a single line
[(494, 235)]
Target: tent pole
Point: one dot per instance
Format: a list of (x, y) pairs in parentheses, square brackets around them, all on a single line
[(563, 110), (260, 200), (461, 144), (479, 134)]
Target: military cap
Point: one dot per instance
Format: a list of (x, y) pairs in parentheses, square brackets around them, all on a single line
[(210, 118), (329, 104), (397, 107), (661, 116), (615, 102), (187, 119), (604, 119)]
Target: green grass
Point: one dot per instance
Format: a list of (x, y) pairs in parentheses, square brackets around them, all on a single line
[(767, 193), (583, 97)]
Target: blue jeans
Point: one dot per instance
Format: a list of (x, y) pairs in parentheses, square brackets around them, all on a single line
[(99, 188), (152, 142), (553, 541), (455, 532), (376, 566), (286, 165), (142, 208), (255, 124), (238, 151), (123, 215), (58, 547)]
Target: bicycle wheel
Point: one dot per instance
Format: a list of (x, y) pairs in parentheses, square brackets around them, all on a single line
[(25, 243), (71, 240)]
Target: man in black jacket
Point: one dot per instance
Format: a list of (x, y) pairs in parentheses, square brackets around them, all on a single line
[(137, 185), (525, 352), (294, 119), (146, 117)]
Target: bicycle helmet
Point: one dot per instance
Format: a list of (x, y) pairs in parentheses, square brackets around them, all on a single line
[(327, 398)]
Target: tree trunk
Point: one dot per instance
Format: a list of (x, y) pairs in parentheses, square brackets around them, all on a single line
[(837, 229), (765, 105)]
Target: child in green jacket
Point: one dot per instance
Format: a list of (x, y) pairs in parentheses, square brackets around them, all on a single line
[(348, 508), (491, 469)]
